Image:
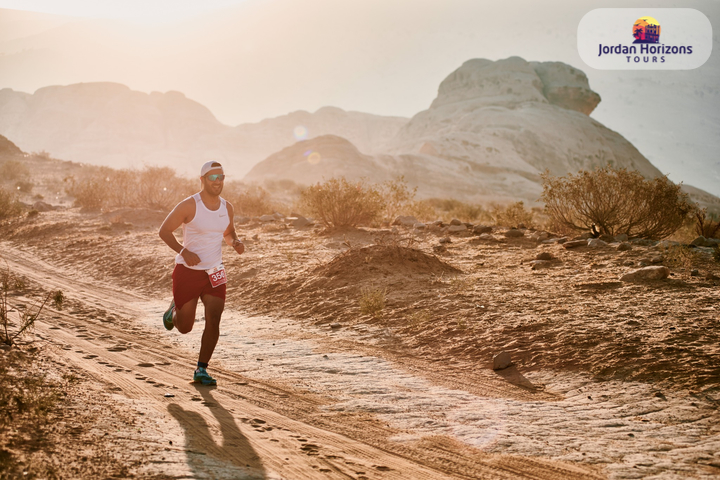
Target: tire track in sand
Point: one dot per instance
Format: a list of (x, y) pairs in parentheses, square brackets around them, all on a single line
[(270, 431)]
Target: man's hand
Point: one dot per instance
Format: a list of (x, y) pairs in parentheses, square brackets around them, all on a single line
[(190, 258), (239, 247)]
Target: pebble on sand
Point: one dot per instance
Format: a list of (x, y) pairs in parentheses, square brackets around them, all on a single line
[(501, 360)]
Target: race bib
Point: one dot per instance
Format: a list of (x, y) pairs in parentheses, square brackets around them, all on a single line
[(217, 276)]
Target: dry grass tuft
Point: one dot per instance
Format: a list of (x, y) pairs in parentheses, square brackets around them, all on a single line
[(372, 300)]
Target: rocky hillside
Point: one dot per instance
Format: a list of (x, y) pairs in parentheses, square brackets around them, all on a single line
[(492, 130), (109, 124)]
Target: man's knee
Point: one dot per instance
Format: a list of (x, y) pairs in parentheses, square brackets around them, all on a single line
[(184, 327)]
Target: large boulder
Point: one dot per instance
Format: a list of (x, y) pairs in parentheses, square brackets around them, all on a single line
[(496, 126), (646, 273)]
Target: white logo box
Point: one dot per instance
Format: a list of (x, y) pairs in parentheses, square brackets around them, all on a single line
[(685, 39)]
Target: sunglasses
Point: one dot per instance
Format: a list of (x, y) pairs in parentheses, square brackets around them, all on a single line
[(216, 176)]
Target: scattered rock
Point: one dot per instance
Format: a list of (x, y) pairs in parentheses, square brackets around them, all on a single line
[(419, 226), (644, 241), (501, 360), (656, 259), (445, 240), (624, 246), (300, 222), (621, 238), (457, 228), (607, 238), (699, 241), (538, 264), (41, 206), (169, 395), (439, 248), (694, 272), (539, 236), (575, 243), (544, 256), (335, 326), (480, 229), (647, 273), (405, 220), (455, 221), (552, 241), (595, 243), (267, 218), (514, 233), (486, 236)]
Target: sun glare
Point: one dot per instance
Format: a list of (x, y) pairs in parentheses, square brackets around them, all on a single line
[(136, 11)]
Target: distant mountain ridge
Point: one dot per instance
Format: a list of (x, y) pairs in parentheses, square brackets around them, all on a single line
[(493, 128), (110, 124)]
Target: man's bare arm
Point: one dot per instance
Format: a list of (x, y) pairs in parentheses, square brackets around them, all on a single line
[(230, 234), (182, 213)]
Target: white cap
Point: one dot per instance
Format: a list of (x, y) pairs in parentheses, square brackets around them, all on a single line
[(211, 165)]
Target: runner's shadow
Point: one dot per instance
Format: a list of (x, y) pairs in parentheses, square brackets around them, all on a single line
[(234, 448)]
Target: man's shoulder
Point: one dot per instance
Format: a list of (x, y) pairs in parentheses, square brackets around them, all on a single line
[(187, 205)]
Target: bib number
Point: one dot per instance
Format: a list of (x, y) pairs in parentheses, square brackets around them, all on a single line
[(217, 276)]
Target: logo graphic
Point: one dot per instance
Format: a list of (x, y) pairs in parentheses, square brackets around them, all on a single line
[(604, 41), (646, 30)]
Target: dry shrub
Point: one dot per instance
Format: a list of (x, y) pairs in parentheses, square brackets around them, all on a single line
[(616, 201), (158, 188), (706, 227), (398, 197), (90, 193), (11, 331), (339, 203), (120, 185), (9, 205), (434, 208), (249, 200), (13, 170), (511, 215), (24, 186)]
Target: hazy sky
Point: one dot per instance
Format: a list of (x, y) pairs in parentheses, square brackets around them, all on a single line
[(254, 59)]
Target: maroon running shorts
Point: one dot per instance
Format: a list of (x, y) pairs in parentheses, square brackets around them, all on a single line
[(189, 284)]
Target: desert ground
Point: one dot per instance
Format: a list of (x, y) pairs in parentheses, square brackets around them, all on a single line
[(609, 379)]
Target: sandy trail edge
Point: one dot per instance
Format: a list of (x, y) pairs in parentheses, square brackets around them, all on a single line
[(281, 434)]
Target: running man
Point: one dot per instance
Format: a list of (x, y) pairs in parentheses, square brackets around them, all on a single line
[(206, 219)]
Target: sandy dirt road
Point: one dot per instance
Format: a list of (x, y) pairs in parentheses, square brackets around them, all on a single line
[(247, 427)]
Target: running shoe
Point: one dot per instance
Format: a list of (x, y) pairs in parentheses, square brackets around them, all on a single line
[(167, 317), (202, 376)]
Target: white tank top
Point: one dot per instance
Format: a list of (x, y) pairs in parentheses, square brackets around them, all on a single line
[(203, 235)]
